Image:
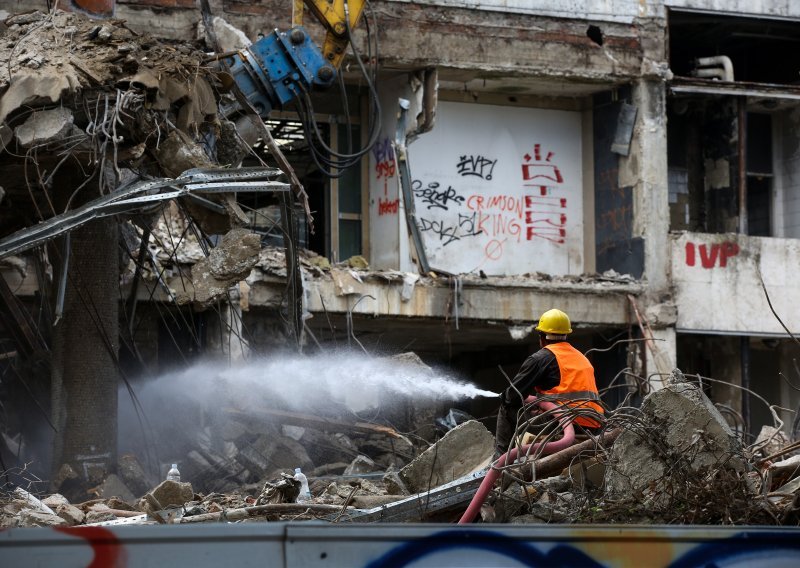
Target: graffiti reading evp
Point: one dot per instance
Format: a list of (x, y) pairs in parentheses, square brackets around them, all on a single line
[(478, 166)]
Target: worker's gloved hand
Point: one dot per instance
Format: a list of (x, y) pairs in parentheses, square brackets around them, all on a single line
[(511, 400)]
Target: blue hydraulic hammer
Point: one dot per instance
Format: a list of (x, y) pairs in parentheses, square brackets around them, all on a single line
[(278, 68)]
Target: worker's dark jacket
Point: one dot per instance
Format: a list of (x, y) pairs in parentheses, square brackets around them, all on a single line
[(557, 370)]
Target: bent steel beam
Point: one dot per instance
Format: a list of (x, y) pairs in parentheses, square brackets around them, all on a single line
[(142, 195)]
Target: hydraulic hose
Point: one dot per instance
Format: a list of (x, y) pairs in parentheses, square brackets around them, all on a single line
[(511, 456)]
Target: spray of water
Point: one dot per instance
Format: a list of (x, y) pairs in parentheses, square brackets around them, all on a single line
[(312, 384), (306, 384)]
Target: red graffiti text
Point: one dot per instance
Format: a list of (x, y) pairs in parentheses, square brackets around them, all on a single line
[(709, 254)]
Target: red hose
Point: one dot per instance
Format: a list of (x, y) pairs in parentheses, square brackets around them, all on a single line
[(510, 457)]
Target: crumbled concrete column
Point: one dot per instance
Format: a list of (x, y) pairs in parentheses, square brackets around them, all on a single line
[(680, 423), (464, 449)]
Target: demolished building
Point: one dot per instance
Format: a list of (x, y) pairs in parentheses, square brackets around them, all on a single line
[(531, 155)]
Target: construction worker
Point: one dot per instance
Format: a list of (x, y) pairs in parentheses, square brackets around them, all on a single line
[(558, 371)]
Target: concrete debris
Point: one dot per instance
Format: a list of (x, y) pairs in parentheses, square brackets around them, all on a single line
[(230, 262), (71, 514), (466, 448), (394, 484), (132, 474), (44, 126), (229, 37), (28, 518), (179, 153), (172, 493), (770, 440), (236, 255), (683, 422), (361, 464), (113, 486)]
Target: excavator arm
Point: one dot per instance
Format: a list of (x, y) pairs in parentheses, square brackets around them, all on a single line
[(334, 16)]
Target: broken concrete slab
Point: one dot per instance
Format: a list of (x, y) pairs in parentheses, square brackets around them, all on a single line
[(466, 448), (99, 517), (229, 262), (55, 500), (34, 87), (71, 514), (113, 486), (361, 464), (173, 493), (132, 474), (229, 37), (372, 501), (235, 255), (680, 421), (29, 518), (44, 126), (179, 153), (394, 485)]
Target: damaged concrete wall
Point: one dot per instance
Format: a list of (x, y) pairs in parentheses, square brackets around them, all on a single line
[(617, 11), (718, 287), (446, 35)]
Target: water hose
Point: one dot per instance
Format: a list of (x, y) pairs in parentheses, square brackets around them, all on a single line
[(510, 457)]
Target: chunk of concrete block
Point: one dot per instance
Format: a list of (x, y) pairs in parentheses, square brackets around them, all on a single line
[(466, 448), (44, 126), (29, 518), (229, 37), (132, 474), (680, 422), (770, 440), (113, 486), (394, 485), (361, 464), (173, 493), (55, 500), (71, 514), (236, 255)]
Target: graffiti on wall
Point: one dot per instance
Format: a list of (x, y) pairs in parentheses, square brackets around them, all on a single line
[(385, 170), (499, 189), (711, 255), (460, 547), (476, 165), (536, 211)]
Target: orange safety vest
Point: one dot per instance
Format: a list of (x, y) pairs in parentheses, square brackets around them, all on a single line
[(577, 387)]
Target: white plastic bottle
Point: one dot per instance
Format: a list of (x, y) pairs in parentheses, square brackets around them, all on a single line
[(305, 492), (173, 474)]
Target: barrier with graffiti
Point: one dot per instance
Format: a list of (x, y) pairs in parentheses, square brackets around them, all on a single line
[(308, 545)]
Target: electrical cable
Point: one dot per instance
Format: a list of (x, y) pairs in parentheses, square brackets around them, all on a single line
[(319, 149)]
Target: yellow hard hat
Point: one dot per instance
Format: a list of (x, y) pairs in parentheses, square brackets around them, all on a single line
[(554, 322)]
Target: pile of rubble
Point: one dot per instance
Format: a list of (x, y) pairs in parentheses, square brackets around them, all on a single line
[(674, 460)]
